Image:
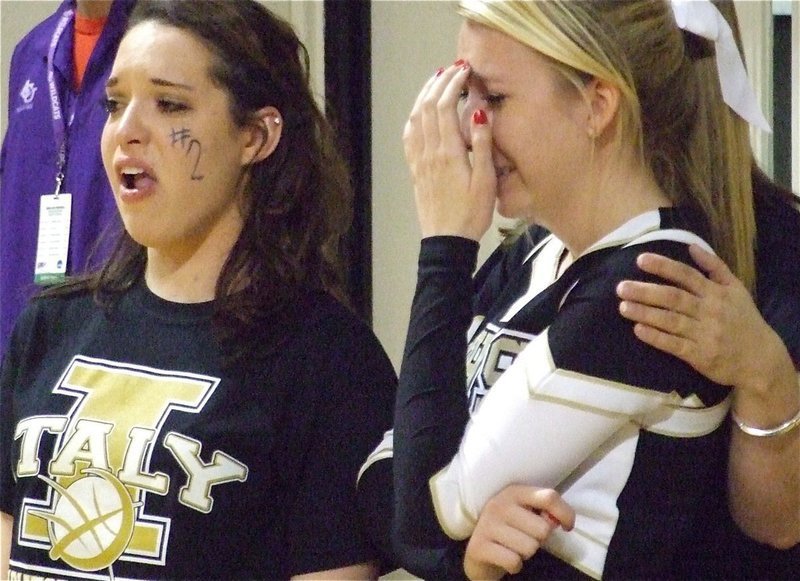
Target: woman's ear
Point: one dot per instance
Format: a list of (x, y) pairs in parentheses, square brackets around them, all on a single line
[(604, 101), (262, 135)]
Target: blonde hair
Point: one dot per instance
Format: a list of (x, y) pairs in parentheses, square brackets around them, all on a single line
[(671, 107)]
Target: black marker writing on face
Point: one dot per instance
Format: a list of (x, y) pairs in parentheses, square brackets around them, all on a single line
[(180, 135), (188, 143)]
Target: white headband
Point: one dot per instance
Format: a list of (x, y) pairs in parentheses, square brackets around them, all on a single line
[(702, 18)]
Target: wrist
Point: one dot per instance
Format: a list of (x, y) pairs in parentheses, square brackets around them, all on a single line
[(773, 411), (770, 382), (779, 430)]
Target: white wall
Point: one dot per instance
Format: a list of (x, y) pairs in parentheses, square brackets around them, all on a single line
[(410, 40), (755, 20)]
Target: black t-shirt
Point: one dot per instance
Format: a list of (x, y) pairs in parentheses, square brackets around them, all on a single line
[(128, 447)]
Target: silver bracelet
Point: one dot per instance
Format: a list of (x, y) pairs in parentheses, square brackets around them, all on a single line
[(783, 428)]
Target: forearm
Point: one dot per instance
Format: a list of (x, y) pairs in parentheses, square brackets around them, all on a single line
[(764, 481), (431, 410), (524, 432), (764, 472)]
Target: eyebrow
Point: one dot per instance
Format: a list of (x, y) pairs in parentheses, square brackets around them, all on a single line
[(478, 78), (473, 76), (113, 81)]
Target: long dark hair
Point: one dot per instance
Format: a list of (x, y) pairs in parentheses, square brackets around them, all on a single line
[(297, 201)]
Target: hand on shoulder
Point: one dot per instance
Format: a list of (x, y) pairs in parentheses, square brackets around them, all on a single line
[(710, 322)]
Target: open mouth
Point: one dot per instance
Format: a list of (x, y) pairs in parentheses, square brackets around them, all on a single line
[(131, 176)]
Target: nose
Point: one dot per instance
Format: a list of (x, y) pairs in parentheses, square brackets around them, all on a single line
[(130, 127)]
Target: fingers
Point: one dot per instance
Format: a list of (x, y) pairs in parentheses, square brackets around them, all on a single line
[(681, 347), (434, 117), (424, 91), (495, 561), (712, 324), (486, 560), (521, 544), (553, 507), (481, 137), (484, 177), (664, 319), (512, 527), (522, 528), (412, 133), (544, 503), (664, 325), (454, 196), (677, 307), (712, 265), (665, 307), (690, 312), (447, 105), (677, 273)]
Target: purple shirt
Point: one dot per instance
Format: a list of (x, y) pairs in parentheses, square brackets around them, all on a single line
[(29, 154)]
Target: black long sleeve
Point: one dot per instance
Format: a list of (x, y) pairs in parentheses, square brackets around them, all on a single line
[(431, 410)]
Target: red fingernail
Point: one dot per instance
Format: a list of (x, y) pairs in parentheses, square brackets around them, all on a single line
[(439, 71), (553, 520), (458, 63), (479, 117)]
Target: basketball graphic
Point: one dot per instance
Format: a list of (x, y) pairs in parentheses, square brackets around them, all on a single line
[(92, 521)]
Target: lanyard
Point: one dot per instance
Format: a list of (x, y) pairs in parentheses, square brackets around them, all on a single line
[(60, 126)]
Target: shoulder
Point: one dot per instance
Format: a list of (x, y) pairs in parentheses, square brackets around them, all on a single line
[(778, 238), (591, 337), (326, 316), (333, 340), (47, 321), (27, 84), (35, 43), (668, 232), (620, 263), (595, 274), (778, 269), (54, 309)]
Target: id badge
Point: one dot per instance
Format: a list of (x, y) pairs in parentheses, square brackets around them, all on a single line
[(52, 246)]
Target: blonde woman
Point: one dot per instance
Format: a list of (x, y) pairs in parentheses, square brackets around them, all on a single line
[(587, 118)]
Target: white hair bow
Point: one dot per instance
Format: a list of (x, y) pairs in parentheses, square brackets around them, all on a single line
[(702, 18)]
